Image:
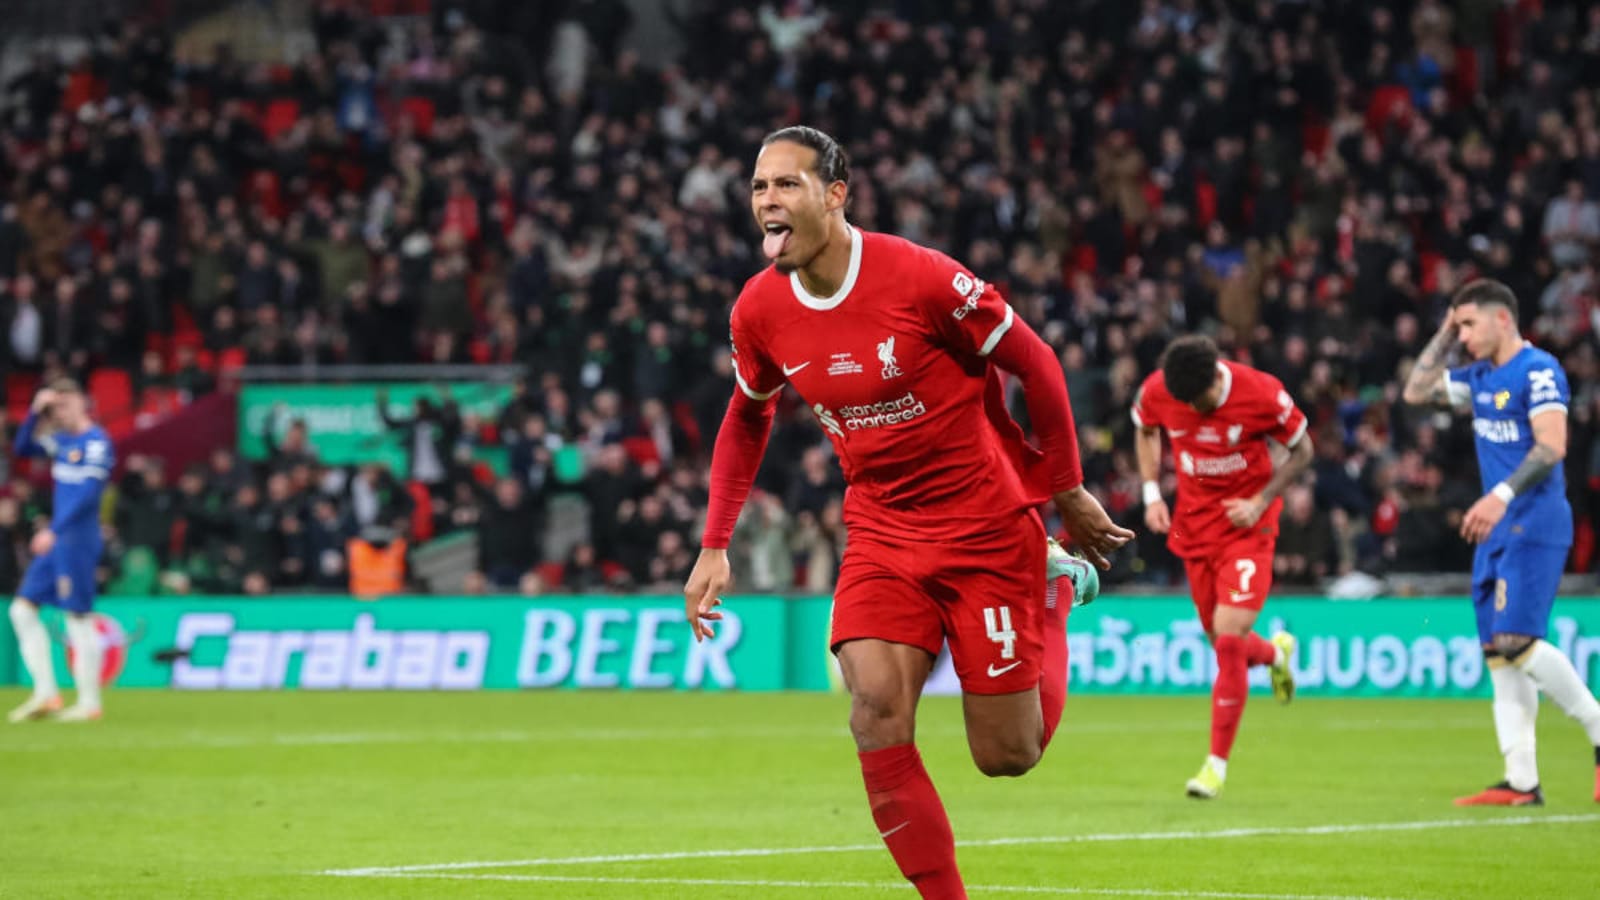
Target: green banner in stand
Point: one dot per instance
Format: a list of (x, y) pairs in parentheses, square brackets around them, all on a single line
[(343, 421)]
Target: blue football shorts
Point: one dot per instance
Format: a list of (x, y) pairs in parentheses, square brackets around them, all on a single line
[(63, 577), (1514, 587)]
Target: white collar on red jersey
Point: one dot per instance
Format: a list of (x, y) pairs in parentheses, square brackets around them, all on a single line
[(1226, 374), (827, 303)]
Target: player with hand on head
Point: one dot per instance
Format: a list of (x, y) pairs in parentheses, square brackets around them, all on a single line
[(1220, 416), (1517, 395), (65, 555), (895, 347)]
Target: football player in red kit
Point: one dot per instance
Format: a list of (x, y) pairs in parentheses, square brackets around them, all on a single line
[(893, 347), (1219, 417)]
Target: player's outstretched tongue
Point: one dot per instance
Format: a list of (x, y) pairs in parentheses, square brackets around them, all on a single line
[(775, 242)]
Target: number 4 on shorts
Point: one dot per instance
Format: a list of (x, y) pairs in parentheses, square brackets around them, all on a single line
[(997, 620)]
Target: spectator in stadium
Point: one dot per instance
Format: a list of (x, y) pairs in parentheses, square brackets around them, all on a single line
[(200, 510), (377, 499), (613, 482), (12, 529), (1305, 541), (188, 377), (295, 448), (582, 572), (508, 532), (147, 508), (762, 538), (818, 545), (817, 484), (429, 436), (1572, 226)]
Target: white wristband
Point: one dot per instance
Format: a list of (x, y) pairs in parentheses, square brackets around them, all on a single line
[(1152, 493), (1504, 492)]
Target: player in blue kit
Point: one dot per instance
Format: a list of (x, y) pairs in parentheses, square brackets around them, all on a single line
[(65, 554), (1518, 397)]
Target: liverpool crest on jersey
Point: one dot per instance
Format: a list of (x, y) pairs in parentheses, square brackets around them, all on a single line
[(886, 356)]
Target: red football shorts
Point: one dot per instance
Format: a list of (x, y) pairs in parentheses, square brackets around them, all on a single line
[(1237, 574), (984, 595)]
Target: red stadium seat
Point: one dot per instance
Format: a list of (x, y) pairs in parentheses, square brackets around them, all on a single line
[(551, 573), (177, 537), (1390, 104), (641, 450), (111, 391), (158, 401), (1085, 258), (1428, 271), (1464, 80), (1314, 137), (1205, 203), (1153, 195), (230, 361), (420, 111), (82, 88), (421, 511), (1583, 545), (183, 321), (280, 116), (683, 417), (20, 388)]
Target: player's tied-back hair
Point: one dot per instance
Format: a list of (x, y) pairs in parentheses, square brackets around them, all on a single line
[(832, 163), (1486, 292), (1190, 366)]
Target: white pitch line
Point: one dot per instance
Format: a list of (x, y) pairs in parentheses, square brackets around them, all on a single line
[(881, 885), (1223, 834), (209, 740), (213, 741)]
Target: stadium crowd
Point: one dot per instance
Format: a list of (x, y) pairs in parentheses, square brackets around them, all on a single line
[(1306, 181)]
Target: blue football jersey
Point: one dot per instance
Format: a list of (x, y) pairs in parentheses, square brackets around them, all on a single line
[(80, 466), (1504, 400)]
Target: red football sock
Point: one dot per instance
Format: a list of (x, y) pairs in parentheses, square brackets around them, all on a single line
[(1228, 694), (1258, 651), (912, 821), (1053, 670)]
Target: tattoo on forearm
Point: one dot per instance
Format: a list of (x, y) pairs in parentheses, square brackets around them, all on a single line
[(1426, 383), (1299, 460), (1535, 468)]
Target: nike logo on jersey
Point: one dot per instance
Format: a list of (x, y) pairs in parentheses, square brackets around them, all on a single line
[(788, 371), (1238, 597), (996, 673), (1176, 433)]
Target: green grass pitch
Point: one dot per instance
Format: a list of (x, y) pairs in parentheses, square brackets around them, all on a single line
[(261, 795)]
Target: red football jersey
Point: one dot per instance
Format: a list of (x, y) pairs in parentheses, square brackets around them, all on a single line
[(894, 368), (1221, 454)]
